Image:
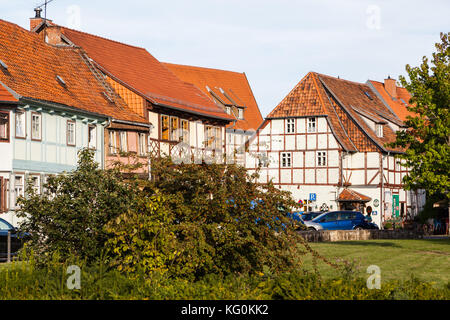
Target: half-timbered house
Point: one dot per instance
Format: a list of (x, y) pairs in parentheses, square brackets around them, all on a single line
[(326, 143)]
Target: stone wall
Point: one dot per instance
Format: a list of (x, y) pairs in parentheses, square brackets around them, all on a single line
[(355, 235)]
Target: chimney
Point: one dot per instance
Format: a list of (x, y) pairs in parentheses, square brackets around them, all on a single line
[(37, 20), (391, 87), (53, 35)]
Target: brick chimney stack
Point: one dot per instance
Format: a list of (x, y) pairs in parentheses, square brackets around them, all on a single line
[(53, 35), (34, 22), (391, 87)]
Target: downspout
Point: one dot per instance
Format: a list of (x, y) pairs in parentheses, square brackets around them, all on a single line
[(105, 148)]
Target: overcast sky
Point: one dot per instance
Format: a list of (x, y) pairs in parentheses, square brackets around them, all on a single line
[(274, 42)]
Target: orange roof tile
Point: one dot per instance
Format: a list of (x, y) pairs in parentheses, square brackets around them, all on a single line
[(396, 105), (137, 69), (232, 88), (33, 67), (318, 95), (5, 95), (352, 196)]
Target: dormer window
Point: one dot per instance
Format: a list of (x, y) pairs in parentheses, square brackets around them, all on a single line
[(379, 130), (3, 65), (228, 109), (61, 81), (240, 113)]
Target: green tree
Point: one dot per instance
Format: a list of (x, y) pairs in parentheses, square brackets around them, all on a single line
[(69, 216), (214, 219), (427, 138)]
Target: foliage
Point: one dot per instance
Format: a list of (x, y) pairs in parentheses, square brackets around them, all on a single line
[(70, 214), (427, 138), (25, 281), (209, 219), (142, 239)]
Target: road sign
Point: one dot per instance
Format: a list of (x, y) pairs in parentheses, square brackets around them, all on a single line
[(312, 197)]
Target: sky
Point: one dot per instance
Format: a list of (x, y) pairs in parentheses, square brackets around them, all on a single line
[(276, 43)]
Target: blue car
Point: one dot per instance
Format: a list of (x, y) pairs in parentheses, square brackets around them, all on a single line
[(340, 220), (16, 239)]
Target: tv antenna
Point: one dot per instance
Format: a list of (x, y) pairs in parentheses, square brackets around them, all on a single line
[(45, 8)]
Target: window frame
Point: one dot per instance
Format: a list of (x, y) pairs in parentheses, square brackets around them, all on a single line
[(68, 141), (379, 131), (7, 127), (40, 126), (142, 144), (311, 128), (286, 159), (24, 124), (240, 113), (184, 131), (321, 158), (112, 147), (22, 193), (94, 127), (121, 144), (162, 117), (174, 134), (290, 125)]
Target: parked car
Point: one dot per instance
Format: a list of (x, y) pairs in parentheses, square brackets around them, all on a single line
[(17, 239), (308, 216), (340, 220)]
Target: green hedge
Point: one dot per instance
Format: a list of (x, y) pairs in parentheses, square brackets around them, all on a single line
[(24, 281)]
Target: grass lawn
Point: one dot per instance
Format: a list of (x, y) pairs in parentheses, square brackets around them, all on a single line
[(428, 260)]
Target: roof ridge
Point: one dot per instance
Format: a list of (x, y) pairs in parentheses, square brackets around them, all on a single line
[(103, 38), (340, 79), (205, 68)]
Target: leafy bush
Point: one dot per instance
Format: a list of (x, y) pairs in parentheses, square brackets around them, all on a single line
[(26, 281), (69, 216), (206, 219)]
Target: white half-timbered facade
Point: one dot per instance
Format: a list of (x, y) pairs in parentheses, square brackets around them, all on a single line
[(326, 144)]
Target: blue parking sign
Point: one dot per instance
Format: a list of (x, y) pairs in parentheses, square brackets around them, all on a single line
[(312, 197)]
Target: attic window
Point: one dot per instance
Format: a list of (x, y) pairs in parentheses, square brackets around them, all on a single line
[(403, 102), (368, 95), (61, 81), (3, 65), (379, 130)]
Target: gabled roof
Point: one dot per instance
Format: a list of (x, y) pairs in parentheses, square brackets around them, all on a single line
[(398, 105), (340, 101), (34, 68), (352, 196), (139, 71), (231, 88)]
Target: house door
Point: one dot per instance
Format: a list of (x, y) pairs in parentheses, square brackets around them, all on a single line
[(395, 205)]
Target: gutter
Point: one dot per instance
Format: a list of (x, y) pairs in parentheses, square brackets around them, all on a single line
[(147, 125)]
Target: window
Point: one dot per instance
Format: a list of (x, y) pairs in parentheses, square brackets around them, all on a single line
[(4, 126), (311, 125), (208, 136), (36, 126), (70, 133), (321, 158), (240, 113), (286, 159), (92, 137), (185, 131), (18, 188), (36, 183), (228, 110), (20, 124), (4, 191), (164, 127), (112, 142), (123, 141), (142, 144), (218, 138), (290, 125), (174, 128), (379, 130)]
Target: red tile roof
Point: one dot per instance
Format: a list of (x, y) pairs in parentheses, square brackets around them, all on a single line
[(396, 105), (5, 95), (344, 103), (235, 87), (33, 67), (352, 196), (137, 69)]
